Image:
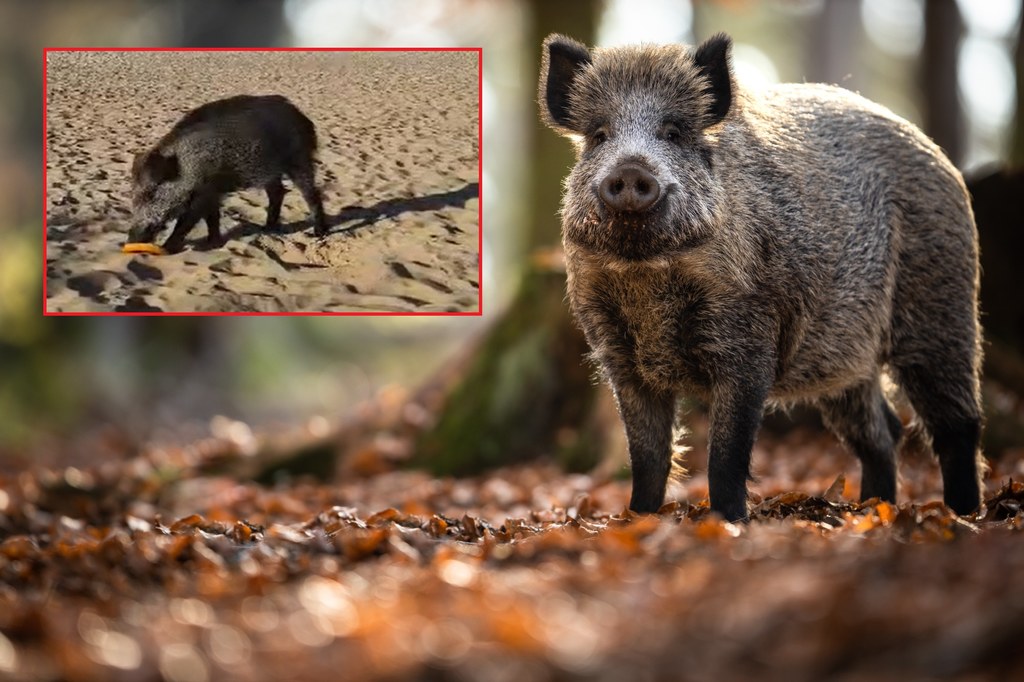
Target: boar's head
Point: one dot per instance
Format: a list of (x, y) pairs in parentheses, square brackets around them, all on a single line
[(644, 121), (159, 194)]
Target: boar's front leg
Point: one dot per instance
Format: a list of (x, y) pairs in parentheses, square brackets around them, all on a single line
[(213, 236), (647, 415), (736, 410), (184, 225), (200, 207), (275, 195)]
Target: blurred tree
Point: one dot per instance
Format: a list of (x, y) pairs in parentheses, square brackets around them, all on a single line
[(527, 390), (834, 44), (177, 350), (996, 194), (133, 364), (230, 23), (1017, 148), (943, 117)]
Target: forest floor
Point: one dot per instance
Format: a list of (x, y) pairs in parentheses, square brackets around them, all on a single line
[(153, 566), (398, 166)]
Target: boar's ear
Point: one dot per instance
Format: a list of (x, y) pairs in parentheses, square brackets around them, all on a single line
[(712, 58), (561, 62), (163, 168)]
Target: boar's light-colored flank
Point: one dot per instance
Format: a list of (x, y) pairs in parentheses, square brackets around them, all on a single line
[(756, 247), (222, 146)]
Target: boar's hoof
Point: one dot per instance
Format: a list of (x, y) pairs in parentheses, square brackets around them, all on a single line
[(176, 246), (732, 512)]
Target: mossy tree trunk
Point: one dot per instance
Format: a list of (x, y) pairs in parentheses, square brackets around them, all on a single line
[(527, 390)]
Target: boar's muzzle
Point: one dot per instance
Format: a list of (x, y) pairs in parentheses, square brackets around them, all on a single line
[(143, 233), (629, 188)]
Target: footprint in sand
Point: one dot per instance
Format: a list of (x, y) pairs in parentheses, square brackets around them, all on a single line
[(137, 304), (92, 284), (144, 272), (401, 270), (226, 266), (440, 286)]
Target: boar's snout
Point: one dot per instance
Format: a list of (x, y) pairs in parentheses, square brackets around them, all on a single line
[(629, 188), (143, 233)]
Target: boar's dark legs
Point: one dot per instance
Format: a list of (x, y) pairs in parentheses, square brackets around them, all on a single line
[(303, 179), (956, 445), (862, 419), (736, 412), (945, 397), (184, 225), (648, 417), (202, 207), (212, 218), (275, 195)]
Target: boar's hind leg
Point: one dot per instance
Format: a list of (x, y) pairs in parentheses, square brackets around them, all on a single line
[(736, 412), (212, 218), (648, 417), (950, 411), (275, 196), (936, 357), (304, 181), (862, 419)]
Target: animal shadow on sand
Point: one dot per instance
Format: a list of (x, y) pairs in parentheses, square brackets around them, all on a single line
[(389, 208), (366, 216)]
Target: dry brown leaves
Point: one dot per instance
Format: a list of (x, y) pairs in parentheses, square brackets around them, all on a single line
[(142, 570)]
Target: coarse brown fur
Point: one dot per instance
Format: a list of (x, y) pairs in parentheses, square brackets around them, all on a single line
[(804, 241), (222, 146)]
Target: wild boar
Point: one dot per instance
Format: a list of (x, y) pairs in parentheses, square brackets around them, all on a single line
[(754, 247), (222, 146)]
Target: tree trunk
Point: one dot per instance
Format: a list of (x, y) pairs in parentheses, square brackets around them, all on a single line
[(834, 45), (527, 390), (943, 117), (230, 23), (552, 156), (1017, 148)]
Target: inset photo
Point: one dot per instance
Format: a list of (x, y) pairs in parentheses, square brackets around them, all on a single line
[(331, 181)]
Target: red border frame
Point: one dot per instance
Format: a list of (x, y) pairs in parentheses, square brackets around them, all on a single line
[(480, 178)]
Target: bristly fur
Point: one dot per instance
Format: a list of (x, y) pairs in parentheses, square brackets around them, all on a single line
[(803, 239), (225, 145)]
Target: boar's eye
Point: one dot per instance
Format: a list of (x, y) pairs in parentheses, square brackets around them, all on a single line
[(671, 133), (599, 136)]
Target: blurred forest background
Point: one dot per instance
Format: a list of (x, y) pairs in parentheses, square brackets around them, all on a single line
[(955, 67)]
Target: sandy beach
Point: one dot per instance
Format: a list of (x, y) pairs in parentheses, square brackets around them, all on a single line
[(398, 164)]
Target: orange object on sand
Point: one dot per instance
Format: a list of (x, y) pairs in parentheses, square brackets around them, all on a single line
[(143, 247)]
